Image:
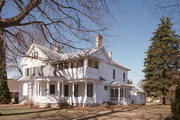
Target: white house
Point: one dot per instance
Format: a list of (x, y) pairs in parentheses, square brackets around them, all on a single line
[(87, 77)]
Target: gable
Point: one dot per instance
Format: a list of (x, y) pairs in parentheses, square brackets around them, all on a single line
[(102, 54), (29, 60)]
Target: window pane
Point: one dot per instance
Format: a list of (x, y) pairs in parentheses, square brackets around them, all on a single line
[(66, 90), (112, 92), (96, 64), (66, 65), (90, 90), (80, 63), (90, 63), (76, 90), (60, 66), (123, 76), (105, 87), (114, 73), (52, 89)]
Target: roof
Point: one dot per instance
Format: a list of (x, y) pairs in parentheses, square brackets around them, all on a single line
[(57, 56), (53, 55), (137, 89), (118, 84)]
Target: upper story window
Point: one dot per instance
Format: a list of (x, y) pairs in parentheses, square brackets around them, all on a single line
[(80, 63), (71, 64), (93, 63), (124, 76), (33, 71), (114, 73)]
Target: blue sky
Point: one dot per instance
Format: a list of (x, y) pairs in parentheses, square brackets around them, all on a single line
[(132, 27), (137, 20)]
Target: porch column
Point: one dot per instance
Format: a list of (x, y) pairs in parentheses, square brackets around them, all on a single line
[(85, 93), (73, 99), (94, 92), (62, 88), (58, 88), (35, 88), (38, 94), (119, 95), (47, 88), (40, 89)]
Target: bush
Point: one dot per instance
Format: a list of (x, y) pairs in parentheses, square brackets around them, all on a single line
[(175, 107)]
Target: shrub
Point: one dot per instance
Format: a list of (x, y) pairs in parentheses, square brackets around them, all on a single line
[(175, 107)]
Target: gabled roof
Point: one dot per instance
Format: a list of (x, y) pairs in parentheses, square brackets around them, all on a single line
[(53, 55)]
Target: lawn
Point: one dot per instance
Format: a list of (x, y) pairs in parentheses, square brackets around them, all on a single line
[(133, 112)]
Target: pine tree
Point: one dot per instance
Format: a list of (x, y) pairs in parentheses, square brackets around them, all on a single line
[(161, 63), (4, 90)]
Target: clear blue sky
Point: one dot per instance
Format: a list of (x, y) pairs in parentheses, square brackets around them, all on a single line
[(132, 28), (137, 20)]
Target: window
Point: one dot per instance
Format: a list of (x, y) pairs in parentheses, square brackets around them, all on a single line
[(93, 63), (90, 63), (114, 92), (66, 65), (76, 90), (71, 65), (114, 73), (27, 71), (34, 71), (90, 90), (96, 64), (35, 55), (80, 63), (66, 90), (105, 87), (52, 89), (121, 92), (60, 66), (124, 77)]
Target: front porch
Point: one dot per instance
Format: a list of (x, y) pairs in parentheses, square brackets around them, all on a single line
[(120, 93), (55, 91)]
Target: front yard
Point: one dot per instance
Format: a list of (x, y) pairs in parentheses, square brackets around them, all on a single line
[(133, 112)]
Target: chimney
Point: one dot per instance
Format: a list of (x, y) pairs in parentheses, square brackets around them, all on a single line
[(110, 54), (99, 39)]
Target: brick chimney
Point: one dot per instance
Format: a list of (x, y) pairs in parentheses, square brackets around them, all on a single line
[(99, 39)]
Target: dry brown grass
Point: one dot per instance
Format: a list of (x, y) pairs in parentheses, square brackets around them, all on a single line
[(133, 112)]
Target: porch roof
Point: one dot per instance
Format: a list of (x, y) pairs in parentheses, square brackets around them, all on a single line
[(40, 78), (119, 84)]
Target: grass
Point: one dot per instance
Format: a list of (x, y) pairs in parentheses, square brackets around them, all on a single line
[(132, 112)]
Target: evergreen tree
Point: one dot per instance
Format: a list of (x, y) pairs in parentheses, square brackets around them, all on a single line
[(161, 63), (4, 90)]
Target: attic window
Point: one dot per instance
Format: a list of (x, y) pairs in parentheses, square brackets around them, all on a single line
[(35, 55)]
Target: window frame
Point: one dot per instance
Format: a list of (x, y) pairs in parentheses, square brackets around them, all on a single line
[(89, 90)]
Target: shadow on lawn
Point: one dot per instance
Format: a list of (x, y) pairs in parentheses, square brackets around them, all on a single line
[(80, 115), (20, 113)]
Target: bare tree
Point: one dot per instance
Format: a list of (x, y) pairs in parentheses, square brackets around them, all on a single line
[(63, 22)]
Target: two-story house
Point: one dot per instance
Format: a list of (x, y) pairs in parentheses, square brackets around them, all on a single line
[(87, 77)]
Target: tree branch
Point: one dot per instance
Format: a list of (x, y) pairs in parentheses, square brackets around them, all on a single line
[(13, 21)]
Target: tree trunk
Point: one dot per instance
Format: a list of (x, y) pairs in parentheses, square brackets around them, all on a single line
[(4, 90), (164, 100)]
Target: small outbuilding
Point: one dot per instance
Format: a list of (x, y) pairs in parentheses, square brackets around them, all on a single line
[(138, 96)]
